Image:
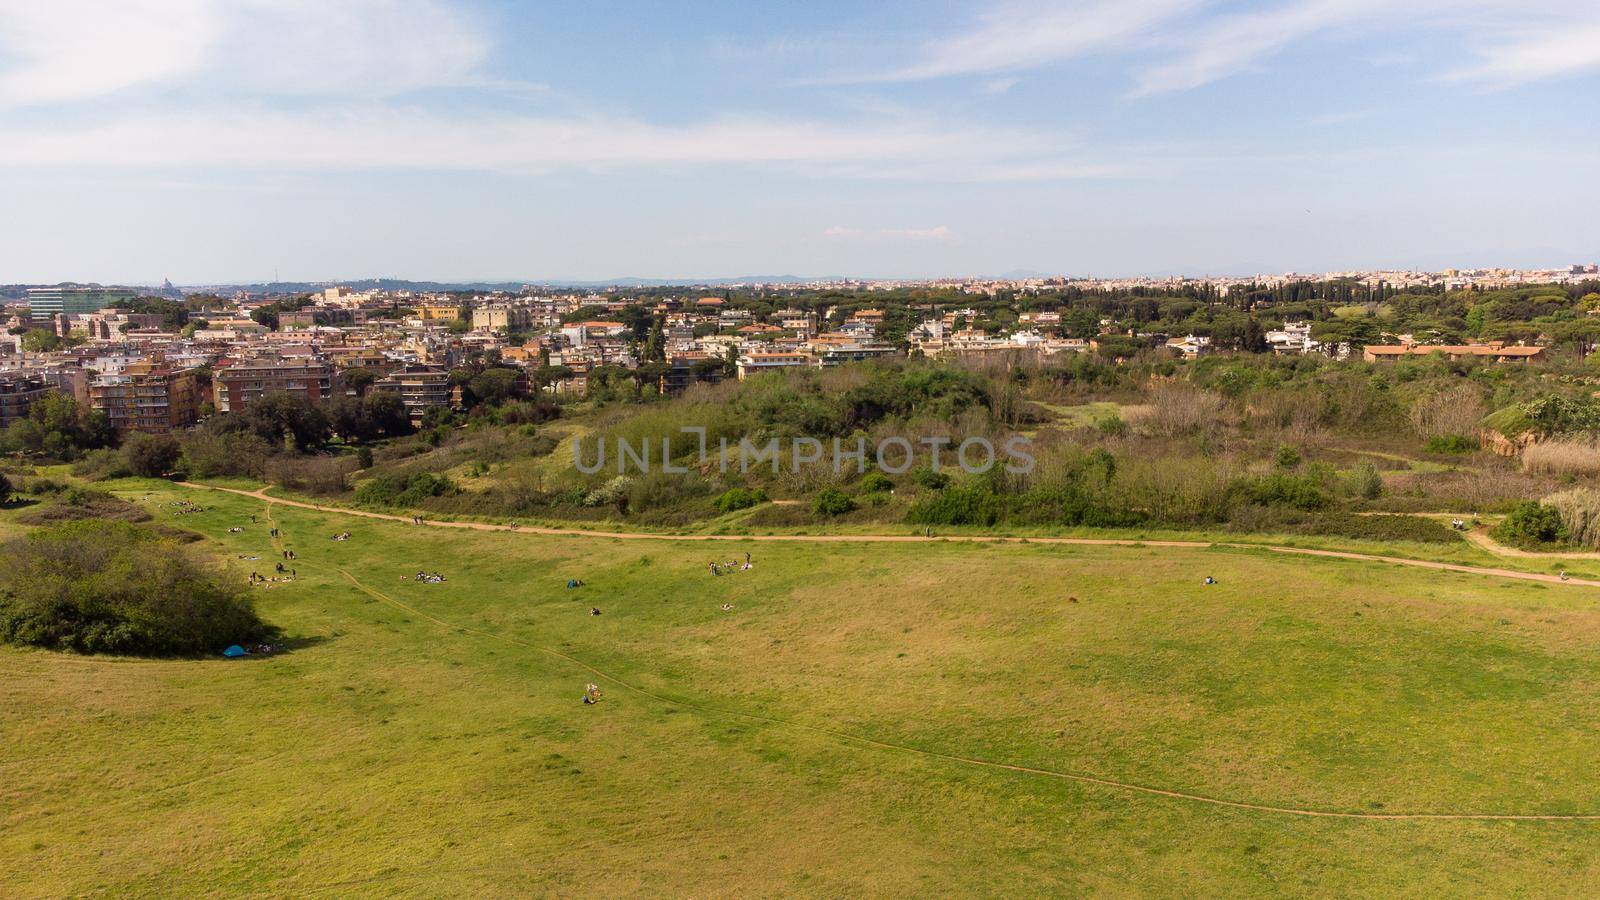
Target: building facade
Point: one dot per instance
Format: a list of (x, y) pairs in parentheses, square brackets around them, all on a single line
[(17, 395), (236, 387), (148, 396), (421, 388), (71, 301)]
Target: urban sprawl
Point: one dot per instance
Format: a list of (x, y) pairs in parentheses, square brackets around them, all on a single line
[(160, 359)]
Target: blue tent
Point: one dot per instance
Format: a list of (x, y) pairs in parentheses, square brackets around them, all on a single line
[(233, 652)]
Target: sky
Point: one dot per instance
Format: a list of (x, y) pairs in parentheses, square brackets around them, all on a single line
[(241, 140)]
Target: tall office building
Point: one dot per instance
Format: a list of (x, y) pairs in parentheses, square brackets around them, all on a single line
[(55, 301)]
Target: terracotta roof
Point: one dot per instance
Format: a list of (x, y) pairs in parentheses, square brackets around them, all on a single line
[(1451, 350)]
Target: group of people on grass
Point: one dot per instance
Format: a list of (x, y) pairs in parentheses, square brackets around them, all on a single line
[(728, 568), (429, 578)]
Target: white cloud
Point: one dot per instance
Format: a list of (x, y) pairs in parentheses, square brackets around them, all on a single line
[(67, 50), (1238, 43), (387, 137), (1555, 51), (1019, 37), (1199, 42), (64, 51)]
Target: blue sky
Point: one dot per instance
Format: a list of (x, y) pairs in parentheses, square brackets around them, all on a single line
[(211, 140)]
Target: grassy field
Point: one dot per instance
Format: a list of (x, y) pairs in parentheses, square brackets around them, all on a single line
[(428, 739)]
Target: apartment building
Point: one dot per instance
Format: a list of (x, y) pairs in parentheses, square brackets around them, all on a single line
[(149, 396), (237, 386), (17, 395), (753, 363), (502, 318), (421, 388)]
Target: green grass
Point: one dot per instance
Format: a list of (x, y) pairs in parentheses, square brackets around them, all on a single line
[(389, 754), (1083, 415)]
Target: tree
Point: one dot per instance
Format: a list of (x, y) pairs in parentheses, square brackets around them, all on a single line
[(495, 386), (832, 502), (151, 455), (655, 346), (359, 380), (1579, 334), (347, 416), (280, 418), (547, 375), (38, 340), (387, 413), (5, 488), (1531, 524)]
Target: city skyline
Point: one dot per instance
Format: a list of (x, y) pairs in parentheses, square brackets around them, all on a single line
[(212, 142)]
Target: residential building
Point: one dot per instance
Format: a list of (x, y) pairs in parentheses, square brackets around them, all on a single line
[(752, 363), (421, 388), (235, 387), (439, 312), (148, 396), (1494, 350), (502, 318), (17, 395), (829, 355), (1294, 337)]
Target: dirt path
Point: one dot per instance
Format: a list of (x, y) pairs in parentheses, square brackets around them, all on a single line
[(915, 539), (1481, 538)]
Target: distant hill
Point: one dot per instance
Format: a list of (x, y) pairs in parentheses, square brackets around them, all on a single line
[(398, 284)]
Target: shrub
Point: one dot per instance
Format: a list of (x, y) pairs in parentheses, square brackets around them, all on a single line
[(876, 483), (1546, 416), (1282, 489), (957, 506), (1580, 515), (1448, 413), (832, 502), (1112, 425), (151, 455), (1452, 444), (108, 587), (98, 465), (925, 476), (740, 498), (1531, 524), (1287, 457), (311, 474), (1176, 410), (73, 504), (1383, 528), (612, 493), (1366, 482), (1563, 456), (396, 489), (5, 488)]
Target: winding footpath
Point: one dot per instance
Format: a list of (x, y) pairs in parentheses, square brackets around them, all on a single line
[(1542, 577)]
